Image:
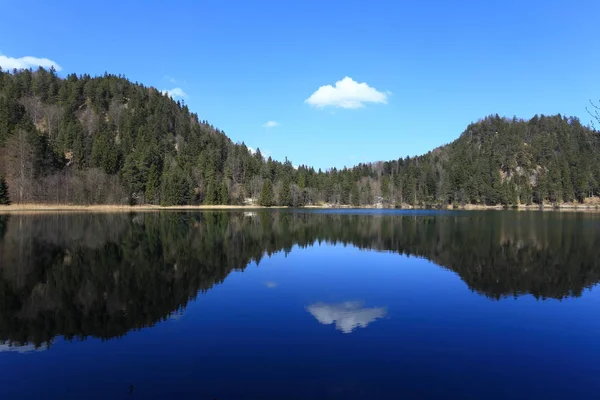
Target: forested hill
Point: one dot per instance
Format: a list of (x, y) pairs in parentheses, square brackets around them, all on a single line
[(106, 140)]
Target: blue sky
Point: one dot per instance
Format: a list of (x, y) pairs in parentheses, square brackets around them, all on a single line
[(428, 68)]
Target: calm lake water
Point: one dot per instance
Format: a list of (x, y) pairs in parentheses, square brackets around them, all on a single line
[(300, 305)]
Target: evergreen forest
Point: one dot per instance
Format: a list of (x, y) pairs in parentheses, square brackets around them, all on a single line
[(107, 140)]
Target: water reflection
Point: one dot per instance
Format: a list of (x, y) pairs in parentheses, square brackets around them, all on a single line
[(102, 275), (28, 348), (347, 316)]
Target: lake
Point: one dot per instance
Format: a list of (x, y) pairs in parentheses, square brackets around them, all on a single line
[(341, 304)]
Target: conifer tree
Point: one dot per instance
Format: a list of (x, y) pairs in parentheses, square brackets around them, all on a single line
[(285, 196), (224, 193), (152, 185), (266, 194), (212, 192), (355, 195)]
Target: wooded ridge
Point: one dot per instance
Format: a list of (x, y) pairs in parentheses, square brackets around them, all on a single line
[(106, 140)]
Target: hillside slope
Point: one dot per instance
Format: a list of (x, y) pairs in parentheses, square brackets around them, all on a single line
[(106, 140), (507, 161)]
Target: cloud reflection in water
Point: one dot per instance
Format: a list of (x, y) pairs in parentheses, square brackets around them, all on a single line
[(347, 316), (28, 348)]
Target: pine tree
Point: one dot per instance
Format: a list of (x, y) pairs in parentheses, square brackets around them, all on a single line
[(285, 196), (152, 185), (541, 188), (176, 188), (582, 184), (368, 194), (513, 194), (355, 195), (266, 194), (567, 183), (526, 196), (224, 193), (385, 188), (212, 192), (4, 195)]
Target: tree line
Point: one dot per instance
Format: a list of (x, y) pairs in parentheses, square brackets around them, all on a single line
[(107, 140)]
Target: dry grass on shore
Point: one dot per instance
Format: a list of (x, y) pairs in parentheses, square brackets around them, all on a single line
[(18, 208), (111, 208)]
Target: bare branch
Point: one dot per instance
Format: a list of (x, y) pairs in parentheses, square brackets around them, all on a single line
[(594, 113)]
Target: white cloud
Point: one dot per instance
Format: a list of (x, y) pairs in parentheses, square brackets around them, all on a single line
[(347, 93), (26, 62), (175, 93), (271, 284), (347, 316), (270, 124), (264, 153)]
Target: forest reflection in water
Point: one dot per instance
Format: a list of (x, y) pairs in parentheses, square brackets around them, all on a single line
[(102, 275)]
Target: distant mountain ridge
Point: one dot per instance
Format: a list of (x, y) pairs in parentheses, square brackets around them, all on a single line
[(106, 140)]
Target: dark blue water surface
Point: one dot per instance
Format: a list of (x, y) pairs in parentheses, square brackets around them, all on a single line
[(300, 305)]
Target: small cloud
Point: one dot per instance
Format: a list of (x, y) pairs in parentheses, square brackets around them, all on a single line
[(271, 284), (270, 124), (27, 62), (175, 93), (171, 79), (347, 316), (347, 93), (264, 153)]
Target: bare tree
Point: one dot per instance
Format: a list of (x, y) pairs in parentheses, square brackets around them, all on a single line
[(255, 187), (116, 110), (311, 196), (20, 166), (51, 187), (33, 108), (90, 121), (54, 116), (95, 185), (237, 194), (594, 111), (179, 143)]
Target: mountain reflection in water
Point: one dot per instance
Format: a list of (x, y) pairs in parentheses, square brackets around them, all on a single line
[(102, 275)]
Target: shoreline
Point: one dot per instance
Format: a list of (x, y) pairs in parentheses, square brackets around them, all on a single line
[(29, 208), (46, 208)]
